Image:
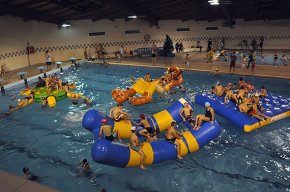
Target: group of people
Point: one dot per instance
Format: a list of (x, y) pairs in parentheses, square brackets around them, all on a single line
[(241, 94), (179, 47), (142, 131)]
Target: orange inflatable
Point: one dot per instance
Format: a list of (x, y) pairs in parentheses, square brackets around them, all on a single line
[(145, 98), (120, 96)]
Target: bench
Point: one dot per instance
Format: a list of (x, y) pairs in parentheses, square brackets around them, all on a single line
[(21, 74), (41, 68)]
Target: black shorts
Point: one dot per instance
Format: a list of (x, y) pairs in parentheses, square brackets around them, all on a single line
[(153, 55), (149, 129), (48, 63), (110, 138)]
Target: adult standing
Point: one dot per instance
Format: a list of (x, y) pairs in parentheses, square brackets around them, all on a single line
[(261, 42), (198, 45), (209, 45), (121, 52), (48, 59), (233, 62), (251, 58), (154, 56)]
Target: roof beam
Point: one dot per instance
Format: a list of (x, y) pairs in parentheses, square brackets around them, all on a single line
[(28, 14), (130, 8)]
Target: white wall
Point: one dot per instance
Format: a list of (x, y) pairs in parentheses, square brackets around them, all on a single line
[(65, 43)]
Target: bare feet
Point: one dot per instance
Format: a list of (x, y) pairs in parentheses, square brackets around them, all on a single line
[(179, 157), (196, 128), (143, 167)]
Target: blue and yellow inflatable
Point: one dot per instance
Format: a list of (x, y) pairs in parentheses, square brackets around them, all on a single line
[(276, 107), (121, 155)]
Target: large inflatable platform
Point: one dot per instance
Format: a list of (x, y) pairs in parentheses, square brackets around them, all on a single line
[(276, 107), (121, 155)]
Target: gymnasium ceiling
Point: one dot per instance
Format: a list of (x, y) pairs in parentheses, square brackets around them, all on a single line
[(59, 11)]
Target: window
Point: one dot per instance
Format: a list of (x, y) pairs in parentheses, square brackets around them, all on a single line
[(130, 32), (97, 34), (182, 29), (211, 28)]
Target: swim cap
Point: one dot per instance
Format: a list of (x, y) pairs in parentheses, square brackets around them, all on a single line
[(173, 121), (133, 128), (104, 121), (206, 104), (218, 83), (142, 116)]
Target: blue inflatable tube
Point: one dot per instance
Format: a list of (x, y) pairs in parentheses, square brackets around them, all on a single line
[(121, 155)]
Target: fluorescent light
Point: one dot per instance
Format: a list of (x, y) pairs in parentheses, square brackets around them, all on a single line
[(132, 17), (65, 25), (214, 2)]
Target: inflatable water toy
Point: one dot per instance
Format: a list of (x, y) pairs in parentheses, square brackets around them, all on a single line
[(23, 103), (42, 92), (159, 121), (276, 107), (121, 155), (147, 89)]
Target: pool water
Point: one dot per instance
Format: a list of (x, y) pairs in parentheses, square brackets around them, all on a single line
[(52, 142)]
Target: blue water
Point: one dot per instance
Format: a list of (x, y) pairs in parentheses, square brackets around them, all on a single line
[(52, 142)]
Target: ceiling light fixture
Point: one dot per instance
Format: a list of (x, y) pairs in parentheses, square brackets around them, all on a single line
[(65, 25), (214, 2), (132, 17)]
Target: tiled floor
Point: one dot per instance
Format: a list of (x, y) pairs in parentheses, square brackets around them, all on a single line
[(197, 63)]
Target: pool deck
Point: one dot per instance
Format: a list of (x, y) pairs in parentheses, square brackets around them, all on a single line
[(197, 63), (13, 183)]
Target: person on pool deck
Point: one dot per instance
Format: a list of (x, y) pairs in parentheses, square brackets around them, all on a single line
[(187, 111), (118, 114), (110, 135), (86, 169), (28, 175), (135, 145), (144, 123), (208, 116), (147, 78), (171, 135)]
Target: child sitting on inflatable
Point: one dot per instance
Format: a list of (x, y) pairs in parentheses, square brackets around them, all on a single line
[(110, 135), (208, 116), (145, 124), (187, 110), (118, 114)]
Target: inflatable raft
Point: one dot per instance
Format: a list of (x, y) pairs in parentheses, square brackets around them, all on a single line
[(276, 107), (147, 89), (121, 155), (159, 121)]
